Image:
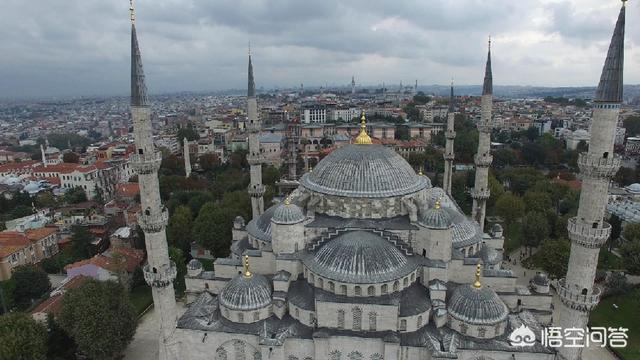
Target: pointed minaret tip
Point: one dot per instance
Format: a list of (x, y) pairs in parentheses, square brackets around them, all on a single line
[(138, 86), (451, 99), (487, 87), (611, 79), (251, 87)]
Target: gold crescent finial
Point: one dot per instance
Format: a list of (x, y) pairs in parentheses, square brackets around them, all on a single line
[(420, 171), (249, 47), (247, 273), (437, 205), (489, 42), (624, 3), (132, 12), (477, 284), (287, 201), (363, 138)]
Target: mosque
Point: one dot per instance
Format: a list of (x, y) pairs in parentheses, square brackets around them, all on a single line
[(365, 260)]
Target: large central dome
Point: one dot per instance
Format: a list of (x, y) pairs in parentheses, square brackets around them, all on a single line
[(367, 171)]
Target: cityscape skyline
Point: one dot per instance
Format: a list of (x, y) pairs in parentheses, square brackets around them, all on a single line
[(192, 46)]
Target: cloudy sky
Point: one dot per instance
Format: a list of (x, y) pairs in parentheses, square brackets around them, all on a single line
[(81, 47)]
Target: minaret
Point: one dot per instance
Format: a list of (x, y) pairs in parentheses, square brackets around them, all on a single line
[(44, 156), (159, 272), (588, 231), (254, 158), (353, 85), (187, 158), (483, 158), (449, 154)]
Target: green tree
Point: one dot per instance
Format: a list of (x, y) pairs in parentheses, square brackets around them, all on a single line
[(496, 190), (71, 157), (60, 346), (45, 200), (631, 232), (7, 295), (208, 162), (206, 230), (536, 228), (31, 283), (510, 207), (177, 256), (179, 228), (616, 230), (537, 201), (632, 124), (22, 338), (81, 242), (188, 132), (99, 318), (630, 252), (75, 195), (553, 257)]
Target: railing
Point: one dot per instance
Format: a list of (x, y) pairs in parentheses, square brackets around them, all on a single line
[(586, 235), (153, 223), (598, 167), (480, 193), (450, 134), (146, 163), (161, 276), (485, 128), (449, 156), (575, 299), (255, 159), (483, 160), (256, 190)]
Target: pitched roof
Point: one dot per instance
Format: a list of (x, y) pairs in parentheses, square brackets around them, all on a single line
[(101, 261), (133, 257), (40, 233), (53, 305), (12, 241), (128, 189)]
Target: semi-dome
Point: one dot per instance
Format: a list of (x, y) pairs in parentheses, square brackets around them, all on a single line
[(465, 231), (436, 218), (490, 256), (246, 293), (477, 305), (260, 228), (287, 213), (359, 257), (371, 171)]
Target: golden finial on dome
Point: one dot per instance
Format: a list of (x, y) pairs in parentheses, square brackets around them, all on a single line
[(420, 171), (247, 273), (477, 284), (287, 201), (132, 12), (437, 205), (363, 138)]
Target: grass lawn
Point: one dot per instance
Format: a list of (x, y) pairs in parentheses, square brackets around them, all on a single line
[(141, 298), (627, 315), (609, 261), (207, 264), (512, 237)]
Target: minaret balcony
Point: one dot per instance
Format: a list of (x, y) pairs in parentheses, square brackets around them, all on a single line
[(144, 164), (480, 194), (586, 235), (483, 160), (254, 126), (598, 167), (256, 190), (153, 223), (484, 128), (255, 159), (450, 134), (576, 299), (161, 276), (449, 157)]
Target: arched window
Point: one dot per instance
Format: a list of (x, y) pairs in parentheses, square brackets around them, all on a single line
[(343, 289), (384, 289), (396, 285), (373, 320), (424, 253), (332, 286), (463, 329), (320, 283), (357, 318), (585, 291), (312, 319), (340, 319), (405, 281), (403, 325), (256, 316), (413, 277), (419, 321), (312, 279), (240, 317), (297, 312), (482, 332), (358, 291), (371, 290)]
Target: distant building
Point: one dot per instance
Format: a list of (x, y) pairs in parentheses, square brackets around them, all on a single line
[(314, 114), (632, 147), (24, 248)]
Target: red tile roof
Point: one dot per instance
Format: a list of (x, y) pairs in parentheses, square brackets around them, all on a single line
[(128, 189), (53, 305), (12, 241), (41, 233), (100, 261), (133, 257)]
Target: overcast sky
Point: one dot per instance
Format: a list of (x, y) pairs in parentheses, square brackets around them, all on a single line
[(82, 47)]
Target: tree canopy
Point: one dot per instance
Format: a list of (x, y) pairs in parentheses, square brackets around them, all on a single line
[(22, 338), (31, 283)]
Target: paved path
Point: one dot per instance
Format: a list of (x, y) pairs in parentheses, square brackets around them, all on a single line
[(145, 342), (56, 280)]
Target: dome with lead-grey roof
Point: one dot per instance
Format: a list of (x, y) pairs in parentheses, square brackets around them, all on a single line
[(477, 306), (360, 257), (287, 213), (541, 278), (260, 228), (490, 256), (436, 218), (465, 231), (371, 171), (194, 264), (246, 293)]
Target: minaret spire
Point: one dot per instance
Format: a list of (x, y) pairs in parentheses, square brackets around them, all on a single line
[(588, 231), (159, 271), (254, 158), (449, 154), (483, 158)]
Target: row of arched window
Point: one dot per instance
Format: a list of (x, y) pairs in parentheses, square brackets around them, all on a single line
[(359, 290)]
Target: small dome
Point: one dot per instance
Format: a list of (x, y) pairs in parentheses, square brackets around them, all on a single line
[(287, 213), (260, 228), (490, 256), (496, 228), (465, 230), (477, 306), (194, 264), (436, 218), (360, 257), (246, 293), (541, 278)]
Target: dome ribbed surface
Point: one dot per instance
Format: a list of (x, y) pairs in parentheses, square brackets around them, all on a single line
[(372, 171), (360, 257), (260, 228), (243, 293), (436, 218), (288, 214), (194, 264), (465, 230), (477, 306), (541, 279)]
